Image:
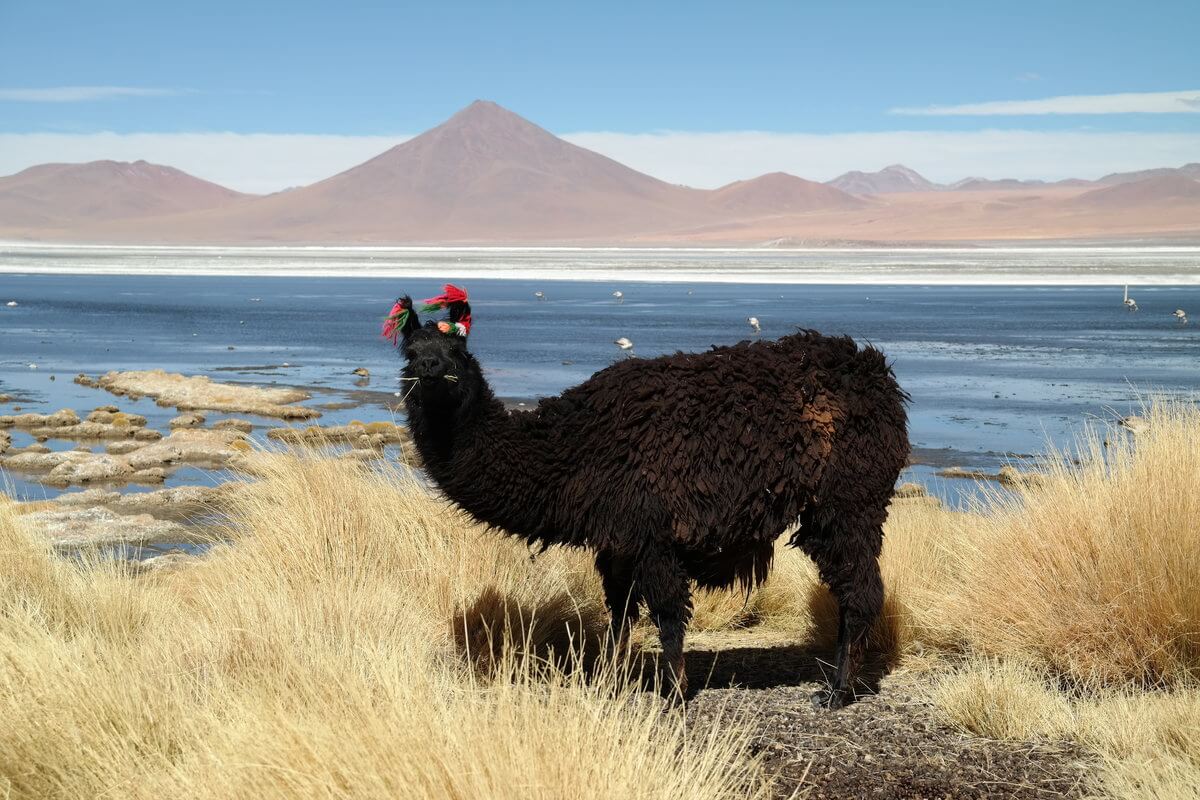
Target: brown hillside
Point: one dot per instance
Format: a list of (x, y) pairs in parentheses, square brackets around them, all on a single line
[(1172, 189), (781, 193), (58, 194)]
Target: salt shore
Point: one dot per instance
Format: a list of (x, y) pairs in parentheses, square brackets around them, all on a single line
[(786, 262)]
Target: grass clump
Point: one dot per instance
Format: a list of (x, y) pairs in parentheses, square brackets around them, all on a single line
[(1093, 573), (316, 658)]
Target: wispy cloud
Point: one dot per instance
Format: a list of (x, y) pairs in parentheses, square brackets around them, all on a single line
[(79, 94), (269, 162), (248, 162), (1183, 102), (708, 160)]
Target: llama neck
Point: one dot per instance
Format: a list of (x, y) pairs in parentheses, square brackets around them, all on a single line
[(485, 462)]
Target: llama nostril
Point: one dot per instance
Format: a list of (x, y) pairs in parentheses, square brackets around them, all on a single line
[(430, 368)]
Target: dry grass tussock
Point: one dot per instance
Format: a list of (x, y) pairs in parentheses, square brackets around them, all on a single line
[(1147, 743), (316, 658), (1068, 609), (1092, 575), (1078, 606), (322, 654)]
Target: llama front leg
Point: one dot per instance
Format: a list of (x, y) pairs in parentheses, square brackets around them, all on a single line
[(616, 575), (663, 583)]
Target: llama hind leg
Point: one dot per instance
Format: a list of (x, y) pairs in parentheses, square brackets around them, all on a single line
[(616, 575), (849, 564), (663, 583)]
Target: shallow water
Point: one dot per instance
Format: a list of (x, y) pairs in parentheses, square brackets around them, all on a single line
[(992, 370)]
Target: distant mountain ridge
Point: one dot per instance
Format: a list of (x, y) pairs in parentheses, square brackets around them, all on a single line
[(779, 193), (1187, 170), (50, 195), (889, 180), (486, 175)]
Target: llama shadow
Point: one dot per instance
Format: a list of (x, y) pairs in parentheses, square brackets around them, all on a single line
[(760, 668)]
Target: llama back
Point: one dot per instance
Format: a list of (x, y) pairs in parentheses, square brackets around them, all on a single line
[(736, 441)]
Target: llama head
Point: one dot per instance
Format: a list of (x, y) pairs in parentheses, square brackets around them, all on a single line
[(440, 371)]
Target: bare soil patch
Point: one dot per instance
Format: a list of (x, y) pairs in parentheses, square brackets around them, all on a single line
[(891, 743)]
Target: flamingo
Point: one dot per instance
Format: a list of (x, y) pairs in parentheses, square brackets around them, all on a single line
[(754, 324), (1129, 302), (539, 294), (1181, 316), (619, 295), (624, 343)]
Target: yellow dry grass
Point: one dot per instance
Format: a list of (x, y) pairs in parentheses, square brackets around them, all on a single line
[(316, 658), (1089, 582), (322, 654)]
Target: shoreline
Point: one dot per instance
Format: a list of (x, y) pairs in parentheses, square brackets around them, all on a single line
[(978, 264)]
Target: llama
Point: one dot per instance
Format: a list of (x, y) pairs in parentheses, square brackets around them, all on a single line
[(678, 469)]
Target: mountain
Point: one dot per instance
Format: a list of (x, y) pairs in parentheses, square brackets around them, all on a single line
[(1005, 184), (485, 174), (896, 178), (1187, 170), (1171, 189), (781, 193), (52, 195)]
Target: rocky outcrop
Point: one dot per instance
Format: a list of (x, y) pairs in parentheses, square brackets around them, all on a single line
[(142, 463), (96, 526), (175, 502), (189, 393), (233, 424), (193, 446), (363, 434), (1007, 476), (191, 420), (59, 419)]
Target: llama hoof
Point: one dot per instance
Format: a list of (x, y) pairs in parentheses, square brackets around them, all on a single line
[(830, 699), (674, 701)]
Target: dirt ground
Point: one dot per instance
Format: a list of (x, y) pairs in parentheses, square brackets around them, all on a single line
[(889, 744)]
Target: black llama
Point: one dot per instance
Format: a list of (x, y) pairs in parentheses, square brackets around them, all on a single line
[(675, 469)]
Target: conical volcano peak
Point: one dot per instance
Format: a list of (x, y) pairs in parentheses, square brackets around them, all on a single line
[(487, 115)]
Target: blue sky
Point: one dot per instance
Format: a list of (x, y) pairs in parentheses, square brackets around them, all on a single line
[(373, 73)]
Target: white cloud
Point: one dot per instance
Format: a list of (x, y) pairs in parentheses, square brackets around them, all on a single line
[(247, 162), (1184, 102), (77, 94), (270, 162), (708, 160)]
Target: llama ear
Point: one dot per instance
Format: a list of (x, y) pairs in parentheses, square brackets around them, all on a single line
[(401, 320), (411, 322)]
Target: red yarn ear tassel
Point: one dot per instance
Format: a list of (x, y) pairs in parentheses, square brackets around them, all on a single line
[(450, 294), (396, 319)]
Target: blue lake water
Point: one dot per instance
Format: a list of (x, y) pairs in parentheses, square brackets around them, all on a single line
[(992, 370)]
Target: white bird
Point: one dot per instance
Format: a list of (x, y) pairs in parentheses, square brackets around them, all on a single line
[(754, 324), (1179, 315), (11, 304), (540, 295), (33, 366), (624, 343), (1129, 303), (619, 295)]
